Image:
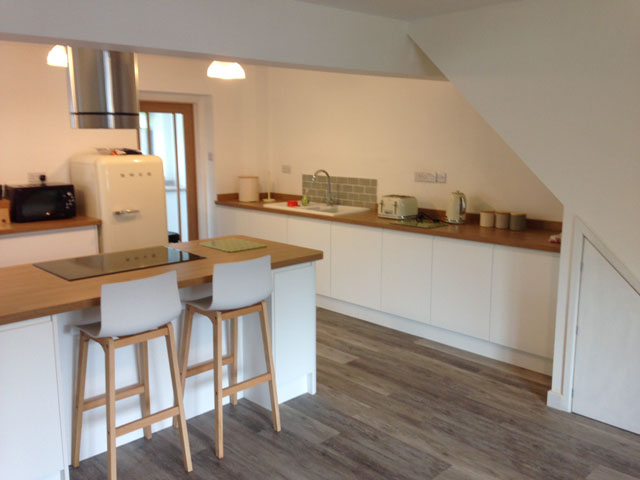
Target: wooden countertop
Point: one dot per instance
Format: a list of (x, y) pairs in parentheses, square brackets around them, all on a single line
[(534, 239), (13, 228), (29, 292)]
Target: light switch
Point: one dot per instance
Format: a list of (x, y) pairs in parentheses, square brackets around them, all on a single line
[(441, 177), (286, 169)]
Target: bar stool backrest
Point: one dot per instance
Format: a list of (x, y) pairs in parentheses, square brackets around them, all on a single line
[(241, 284), (128, 308)]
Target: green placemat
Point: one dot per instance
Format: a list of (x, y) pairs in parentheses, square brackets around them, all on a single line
[(415, 223), (232, 244)]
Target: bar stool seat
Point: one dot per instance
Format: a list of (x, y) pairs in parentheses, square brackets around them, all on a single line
[(132, 313), (239, 288)]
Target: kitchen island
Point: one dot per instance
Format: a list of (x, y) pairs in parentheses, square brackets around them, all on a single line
[(38, 349)]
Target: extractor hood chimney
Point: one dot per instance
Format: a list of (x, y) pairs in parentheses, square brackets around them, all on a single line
[(103, 88)]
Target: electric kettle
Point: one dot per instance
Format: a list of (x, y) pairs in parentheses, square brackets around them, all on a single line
[(457, 209)]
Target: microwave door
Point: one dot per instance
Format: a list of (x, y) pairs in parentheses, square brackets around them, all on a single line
[(132, 198)]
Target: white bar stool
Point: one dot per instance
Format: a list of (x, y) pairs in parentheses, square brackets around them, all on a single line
[(131, 313), (239, 288)]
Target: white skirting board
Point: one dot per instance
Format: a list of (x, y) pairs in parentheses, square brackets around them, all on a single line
[(446, 337)]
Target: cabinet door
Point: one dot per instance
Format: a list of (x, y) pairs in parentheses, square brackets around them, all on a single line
[(461, 292), (239, 221), (406, 274), (232, 221), (270, 226), (314, 234), (48, 245), (356, 264), (31, 437), (523, 299)]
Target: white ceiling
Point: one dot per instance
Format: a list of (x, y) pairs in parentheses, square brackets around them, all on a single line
[(406, 9)]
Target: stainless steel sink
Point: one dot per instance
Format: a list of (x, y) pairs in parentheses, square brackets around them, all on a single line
[(318, 209)]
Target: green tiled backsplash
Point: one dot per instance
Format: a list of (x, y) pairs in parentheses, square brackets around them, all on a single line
[(358, 192)]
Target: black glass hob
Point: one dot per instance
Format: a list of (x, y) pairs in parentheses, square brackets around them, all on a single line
[(116, 262)]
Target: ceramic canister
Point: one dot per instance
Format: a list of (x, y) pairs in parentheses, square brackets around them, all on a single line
[(487, 218), (518, 221), (502, 220), (248, 189)]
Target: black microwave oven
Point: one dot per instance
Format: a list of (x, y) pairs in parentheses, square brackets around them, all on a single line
[(33, 203)]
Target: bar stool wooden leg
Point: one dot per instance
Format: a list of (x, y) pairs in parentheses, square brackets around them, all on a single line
[(110, 385), (177, 394), (145, 400), (79, 400), (185, 343), (233, 367), (217, 375), (268, 357)]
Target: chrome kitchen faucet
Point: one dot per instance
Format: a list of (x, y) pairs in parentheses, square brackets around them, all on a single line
[(313, 181)]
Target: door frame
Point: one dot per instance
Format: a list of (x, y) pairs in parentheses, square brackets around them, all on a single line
[(187, 111)]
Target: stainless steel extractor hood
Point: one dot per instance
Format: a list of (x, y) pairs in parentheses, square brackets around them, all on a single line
[(103, 88)]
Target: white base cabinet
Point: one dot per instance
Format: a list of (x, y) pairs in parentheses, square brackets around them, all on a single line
[(523, 299), (238, 221), (406, 275), (21, 248), (502, 296), (317, 235), (356, 264), (30, 420), (461, 292)]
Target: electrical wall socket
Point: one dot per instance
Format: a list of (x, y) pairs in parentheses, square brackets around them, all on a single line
[(441, 177), (286, 169), (34, 177), (427, 177)]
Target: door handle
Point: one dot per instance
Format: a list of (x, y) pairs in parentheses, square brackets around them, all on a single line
[(127, 211)]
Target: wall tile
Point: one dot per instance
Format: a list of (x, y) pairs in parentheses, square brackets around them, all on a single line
[(360, 192)]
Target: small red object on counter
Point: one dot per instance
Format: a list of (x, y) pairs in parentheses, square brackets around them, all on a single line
[(292, 203)]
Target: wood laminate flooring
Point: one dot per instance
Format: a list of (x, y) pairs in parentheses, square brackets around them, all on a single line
[(393, 406)]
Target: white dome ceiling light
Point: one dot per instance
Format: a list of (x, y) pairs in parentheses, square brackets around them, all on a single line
[(225, 70)]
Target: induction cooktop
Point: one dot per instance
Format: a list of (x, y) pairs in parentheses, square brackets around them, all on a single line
[(116, 262)]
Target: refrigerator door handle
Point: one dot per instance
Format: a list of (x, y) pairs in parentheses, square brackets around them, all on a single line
[(127, 211)]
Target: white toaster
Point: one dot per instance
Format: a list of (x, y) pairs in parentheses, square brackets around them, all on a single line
[(398, 206)]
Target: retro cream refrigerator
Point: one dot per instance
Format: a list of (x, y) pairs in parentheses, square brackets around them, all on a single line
[(126, 192)]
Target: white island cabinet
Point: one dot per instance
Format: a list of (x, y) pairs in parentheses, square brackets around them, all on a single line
[(30, 415), (38, 355)]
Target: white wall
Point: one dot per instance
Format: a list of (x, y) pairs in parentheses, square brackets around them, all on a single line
[(282, 31), (388, 128), (558, 80), (238, 109), (352, 125), (35, 125)]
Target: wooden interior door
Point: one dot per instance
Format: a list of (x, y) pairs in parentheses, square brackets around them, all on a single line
[(167, 130)]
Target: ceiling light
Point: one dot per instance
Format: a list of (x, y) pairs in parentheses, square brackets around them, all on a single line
[(57, 56), (226, 70)]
